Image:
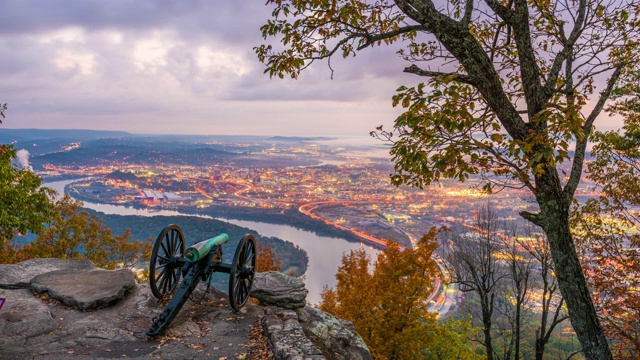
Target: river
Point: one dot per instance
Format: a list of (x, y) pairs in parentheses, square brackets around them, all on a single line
[(325, 253)]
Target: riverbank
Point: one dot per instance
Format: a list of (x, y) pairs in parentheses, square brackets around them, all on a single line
[(292, 257), (325, 253), (289, 217)]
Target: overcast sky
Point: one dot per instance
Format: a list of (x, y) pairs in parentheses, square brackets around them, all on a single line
[(188, 66), (148, 66)]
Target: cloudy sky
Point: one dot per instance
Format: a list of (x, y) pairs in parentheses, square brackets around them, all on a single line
[(148, 66), (188, 66)]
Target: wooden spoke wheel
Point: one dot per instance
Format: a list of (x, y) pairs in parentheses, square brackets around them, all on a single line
[(242, 272), (164, 267)]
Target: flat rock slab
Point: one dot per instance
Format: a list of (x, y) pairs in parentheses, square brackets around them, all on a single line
[(33, 327), (16, 276), (277, 289), (85, 289), (23, 316)]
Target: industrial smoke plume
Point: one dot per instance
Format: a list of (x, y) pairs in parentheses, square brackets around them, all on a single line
[(23, 159)]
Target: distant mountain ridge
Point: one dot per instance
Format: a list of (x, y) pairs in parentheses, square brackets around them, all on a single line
[(298, 138), (8, 135), (18, 134), (62, 147)]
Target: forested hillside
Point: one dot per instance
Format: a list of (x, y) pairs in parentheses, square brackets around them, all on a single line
[(196, 229)]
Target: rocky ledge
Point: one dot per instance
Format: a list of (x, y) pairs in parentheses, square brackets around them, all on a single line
[(58, 309)]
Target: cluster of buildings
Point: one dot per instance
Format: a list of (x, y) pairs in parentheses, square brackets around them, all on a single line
[(354, 194)]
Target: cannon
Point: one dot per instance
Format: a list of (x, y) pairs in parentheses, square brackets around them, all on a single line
[(170, 261)]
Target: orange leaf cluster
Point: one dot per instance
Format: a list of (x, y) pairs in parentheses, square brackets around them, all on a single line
[(389, 305)]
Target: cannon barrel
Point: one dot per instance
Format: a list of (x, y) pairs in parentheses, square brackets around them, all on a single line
[(170, 261), (201, 249)]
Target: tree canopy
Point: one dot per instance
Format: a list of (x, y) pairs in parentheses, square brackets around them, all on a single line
[(607, 228), (24, 205), (74, 234), (389, 305), (513, 90), (266, 260), (64, 230)]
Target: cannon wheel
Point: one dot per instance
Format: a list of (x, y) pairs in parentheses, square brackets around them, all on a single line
[(164, 268), (242, 272)]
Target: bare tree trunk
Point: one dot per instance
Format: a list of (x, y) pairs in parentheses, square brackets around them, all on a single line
[(475, 270), (518, 322), (487, 313), (540, 251), (520, 270)]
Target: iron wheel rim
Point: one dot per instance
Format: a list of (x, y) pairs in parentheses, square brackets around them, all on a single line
[(242, 272), (164, 269)]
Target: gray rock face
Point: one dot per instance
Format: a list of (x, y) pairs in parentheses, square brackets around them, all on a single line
[(23, 316), (334, 336), (33, 328), (278, 289), (287, 337), (208, 330), (86, 289), (18, 276), (308, 333)]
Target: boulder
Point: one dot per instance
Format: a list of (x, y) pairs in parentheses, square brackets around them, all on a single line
[(277, 289), (16, 276), (337, 338), (85, 289)]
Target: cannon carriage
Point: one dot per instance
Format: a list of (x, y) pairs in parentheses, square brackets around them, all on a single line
[(170, 261)]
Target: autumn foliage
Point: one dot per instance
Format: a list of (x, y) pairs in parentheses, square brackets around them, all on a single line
[(24, 205), (74, 234), (266, 260), (608, 227), (510, 96), (389, 305), (64, 230), (610, 259)]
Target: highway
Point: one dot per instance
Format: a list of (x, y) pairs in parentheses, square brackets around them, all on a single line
[(307, 210), (442, 299)]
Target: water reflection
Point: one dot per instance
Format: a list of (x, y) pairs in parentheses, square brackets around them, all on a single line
[(325, 253)]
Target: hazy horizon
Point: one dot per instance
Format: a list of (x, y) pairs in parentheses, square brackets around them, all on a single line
[(153, 67)]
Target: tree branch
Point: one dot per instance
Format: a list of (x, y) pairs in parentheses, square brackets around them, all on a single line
[(414, 69), (581, 145), (465, 48), (529, 71), (534, 218), (373, 38), (502, 160), (574, 354), (557, 319), (468, 11), (504, 12), (567, 44)]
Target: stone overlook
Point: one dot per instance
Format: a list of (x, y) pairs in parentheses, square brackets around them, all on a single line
[(59, 309)]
